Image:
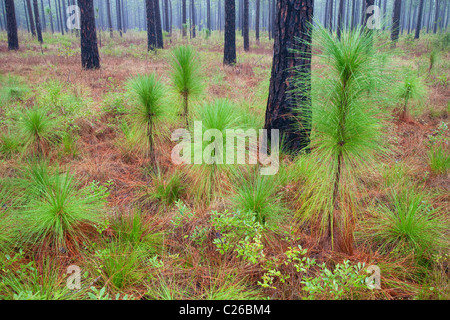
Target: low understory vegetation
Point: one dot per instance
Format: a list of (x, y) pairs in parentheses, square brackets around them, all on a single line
[(87, 181)]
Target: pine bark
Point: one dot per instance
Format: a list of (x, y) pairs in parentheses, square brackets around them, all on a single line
[(151, 32), (245, 27), (38, 21), (419, 20), (229, 51), (293, 23), (158, 26), (30, 15), (396, 20), (11, 25), (90, 58), (258, 8), (108, 13)]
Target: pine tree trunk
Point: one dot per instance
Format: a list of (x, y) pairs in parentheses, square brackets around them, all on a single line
[(151, 32), (183, 20), (293, 22), (11, 25), (258, 8), (208, 14), (396, 20), (419, 20), (30, 15), (166, 15), (246, 37), (158, 26), (44, 23), (229, 51), (51, 16), (89, 50), (340, 18), (330, 17), (193, 34), (119, 17), (38, 21), (410, 15), (436, 16), (108, 13)]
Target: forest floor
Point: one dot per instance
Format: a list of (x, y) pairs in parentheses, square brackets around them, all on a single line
[(187, 262)]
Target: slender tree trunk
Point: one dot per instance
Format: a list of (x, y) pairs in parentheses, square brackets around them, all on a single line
[(208, 14), (26, 16), (258, 8), (292, 24), (193, 19), (166, 15), (90, 58), (419, 20), (340, 18), (108, 13), (30, 15), (38, 21), (183, 20), (330, 17), (119, 17), (51, 16), (65, 15), (410, 15), (11, 25), (436, 16), (158, 27), (396, 20), (229, 52), (246, 37), (44, 23)]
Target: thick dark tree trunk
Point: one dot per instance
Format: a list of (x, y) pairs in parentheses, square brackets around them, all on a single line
[(246, 37), (293, 23), (151, 31), (89, 50), (11, 25), (419, 20), (396, 20), (38, 21), (340, 18), (229, 50), (108, 13), (158, 27), (30, 15), (258, 8)]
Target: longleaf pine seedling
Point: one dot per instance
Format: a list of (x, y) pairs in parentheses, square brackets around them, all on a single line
[(149, 92), (346, 135), (186, 76)]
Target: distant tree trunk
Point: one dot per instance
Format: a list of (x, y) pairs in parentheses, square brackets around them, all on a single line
[(292, 31), (352, 25), (50, 16), (245, 27), (166, 15), (219, 15), (158, 27), (38, 21), (330, 16), (229, 51), (119, 17), (183, 19), (60, 18), (89, 50), (151, 32), (367, 15), (258, 8), (30, 15), (419, 20), (436, 16), (396, 20), (340, 18), (11, 25), (430, 14), (410, 15), (384, 12), (65, 15), (108, 13), (124, 17), (44, 23), (208, 14), (193, 19)]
